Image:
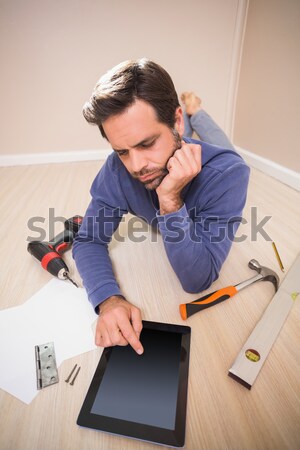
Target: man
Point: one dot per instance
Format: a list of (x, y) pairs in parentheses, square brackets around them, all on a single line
[(192, 191)]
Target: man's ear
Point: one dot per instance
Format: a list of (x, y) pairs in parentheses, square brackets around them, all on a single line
[(179, 121)]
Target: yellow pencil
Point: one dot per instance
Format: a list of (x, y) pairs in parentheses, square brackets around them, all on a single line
[(278, 257)]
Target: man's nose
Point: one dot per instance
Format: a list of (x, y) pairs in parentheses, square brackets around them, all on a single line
[(138, 161)]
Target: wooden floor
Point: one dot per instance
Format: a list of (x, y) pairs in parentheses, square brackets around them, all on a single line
[(221, 413)]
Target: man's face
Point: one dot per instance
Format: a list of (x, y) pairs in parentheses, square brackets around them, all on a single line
[(143, 144)]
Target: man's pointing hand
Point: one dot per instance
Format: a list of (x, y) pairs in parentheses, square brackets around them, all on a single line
[(119, 323)]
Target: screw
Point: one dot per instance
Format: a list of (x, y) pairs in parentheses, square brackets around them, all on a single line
[(75, 376), (72, 371)]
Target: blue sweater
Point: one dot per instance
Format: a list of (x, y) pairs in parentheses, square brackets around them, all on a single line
[(197, 238)]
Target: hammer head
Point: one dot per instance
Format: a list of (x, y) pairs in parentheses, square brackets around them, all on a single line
[(267, 274)]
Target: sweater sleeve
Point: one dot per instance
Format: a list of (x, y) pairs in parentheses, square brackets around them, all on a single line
[(90, 249), (198, 242)]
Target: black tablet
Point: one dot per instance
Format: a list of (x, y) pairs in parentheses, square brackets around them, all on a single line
[(142, 396)]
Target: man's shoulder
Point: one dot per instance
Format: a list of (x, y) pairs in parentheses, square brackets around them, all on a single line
[(107, 179), (111, 167), (113, 162), (216, 157)]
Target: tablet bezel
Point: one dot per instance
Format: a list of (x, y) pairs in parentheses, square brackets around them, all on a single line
[(174, 438)]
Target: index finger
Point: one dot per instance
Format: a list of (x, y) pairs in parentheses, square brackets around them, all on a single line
[(198, 153), (136, 320), (196, 150), (131, 337)]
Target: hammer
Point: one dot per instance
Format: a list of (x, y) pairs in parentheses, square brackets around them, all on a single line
[(264, 274)]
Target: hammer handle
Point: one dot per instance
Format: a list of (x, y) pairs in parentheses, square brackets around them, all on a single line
[(188, 309)]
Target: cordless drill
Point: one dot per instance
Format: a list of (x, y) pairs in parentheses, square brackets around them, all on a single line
[(49, 253)]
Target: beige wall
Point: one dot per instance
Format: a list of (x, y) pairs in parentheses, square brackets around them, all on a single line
[(52, 53), (268, 101)]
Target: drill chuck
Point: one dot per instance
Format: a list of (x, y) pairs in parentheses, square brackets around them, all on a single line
[(49, 259), (62, 274)]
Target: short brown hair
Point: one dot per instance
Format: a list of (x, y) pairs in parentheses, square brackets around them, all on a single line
[(131, 80)]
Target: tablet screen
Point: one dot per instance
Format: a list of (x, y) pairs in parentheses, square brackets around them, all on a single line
[(142, 396)]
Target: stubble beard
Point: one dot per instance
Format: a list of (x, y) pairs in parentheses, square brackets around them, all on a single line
[(162, 172)]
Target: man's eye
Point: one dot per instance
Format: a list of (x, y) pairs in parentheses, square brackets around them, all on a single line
[(122, 153), (148, 144)]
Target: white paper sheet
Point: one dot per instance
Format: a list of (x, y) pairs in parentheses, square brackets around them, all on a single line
[(59, 312)]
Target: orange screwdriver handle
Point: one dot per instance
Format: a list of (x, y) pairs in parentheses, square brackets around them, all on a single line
[(188, 309)]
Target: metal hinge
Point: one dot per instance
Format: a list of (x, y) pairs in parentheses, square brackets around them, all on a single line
[(46, 369)]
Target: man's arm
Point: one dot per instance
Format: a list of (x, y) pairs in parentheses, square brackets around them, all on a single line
[(119, 321), (197, 243), (90, 251)]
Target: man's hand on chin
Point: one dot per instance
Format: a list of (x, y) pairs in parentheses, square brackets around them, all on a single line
[(183, 166)]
